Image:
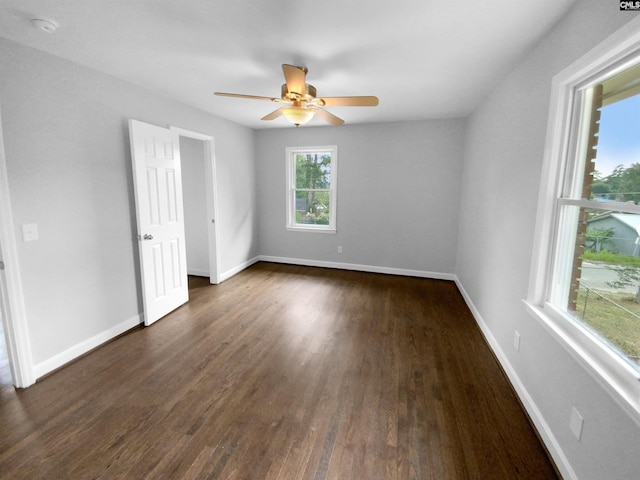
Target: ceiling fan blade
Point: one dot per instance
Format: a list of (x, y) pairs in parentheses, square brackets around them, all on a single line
[(295, 78), (364, 101), (274, 114), (251, 97), (329, 117)]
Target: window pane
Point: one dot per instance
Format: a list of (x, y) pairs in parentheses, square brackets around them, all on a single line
[(311, 182), (313, 170), (606, 295), (617, 165), (312, 207), (601, 284)]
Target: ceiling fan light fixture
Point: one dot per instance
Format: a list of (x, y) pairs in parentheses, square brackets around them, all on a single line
[(303, 100), (298, 115)]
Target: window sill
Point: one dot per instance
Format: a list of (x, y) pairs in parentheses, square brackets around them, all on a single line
[(309, 228), (618, 378)]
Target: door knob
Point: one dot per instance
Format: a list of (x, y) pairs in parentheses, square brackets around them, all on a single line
[(147, 237)]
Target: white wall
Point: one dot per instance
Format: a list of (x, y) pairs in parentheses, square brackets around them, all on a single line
[(196, 220), (398, 195), (68, 160), (504, 151)]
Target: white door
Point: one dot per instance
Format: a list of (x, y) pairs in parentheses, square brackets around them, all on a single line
[(157, 180)]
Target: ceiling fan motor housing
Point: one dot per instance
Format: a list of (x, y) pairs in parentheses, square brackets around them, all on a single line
[(309, 94)]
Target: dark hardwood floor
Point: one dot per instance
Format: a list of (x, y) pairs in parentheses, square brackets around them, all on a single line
[(282, 372)]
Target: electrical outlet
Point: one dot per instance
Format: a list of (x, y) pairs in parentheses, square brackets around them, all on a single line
[(516, 341), (576, 423), (340, 249)]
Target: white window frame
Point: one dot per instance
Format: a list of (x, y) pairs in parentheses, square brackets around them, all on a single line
[(548, 270), (291, 224)]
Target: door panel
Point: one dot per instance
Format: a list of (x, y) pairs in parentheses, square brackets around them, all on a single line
[(158, 188)]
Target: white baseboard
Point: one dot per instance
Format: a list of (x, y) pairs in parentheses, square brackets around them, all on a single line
[(550, 442), (358, 267), (83, 347), (238, 268)]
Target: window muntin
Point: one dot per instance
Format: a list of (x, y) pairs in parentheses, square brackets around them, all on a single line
[(311, 188)]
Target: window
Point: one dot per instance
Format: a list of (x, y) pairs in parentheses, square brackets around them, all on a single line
[(311, 188), (585, 284), (597, 264)]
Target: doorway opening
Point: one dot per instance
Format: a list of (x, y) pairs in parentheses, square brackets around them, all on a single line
[(194, 197), (157, 172), (197, 160)]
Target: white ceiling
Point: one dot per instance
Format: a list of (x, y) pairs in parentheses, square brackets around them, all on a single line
[(422, 58)]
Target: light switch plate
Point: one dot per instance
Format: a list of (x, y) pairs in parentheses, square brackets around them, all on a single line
[(30, 232)]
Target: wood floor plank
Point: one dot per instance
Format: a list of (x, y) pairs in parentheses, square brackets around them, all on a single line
[(282, 372)]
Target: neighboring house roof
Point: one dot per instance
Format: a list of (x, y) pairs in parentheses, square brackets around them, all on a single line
[(631, 220)]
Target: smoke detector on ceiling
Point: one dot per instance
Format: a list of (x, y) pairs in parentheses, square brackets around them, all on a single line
[(48, 26)]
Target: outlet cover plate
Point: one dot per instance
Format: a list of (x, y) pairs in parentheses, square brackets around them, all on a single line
[(576, 423)]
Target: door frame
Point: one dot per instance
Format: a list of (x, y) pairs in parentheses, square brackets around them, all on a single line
[(212, 198), (12, 306)]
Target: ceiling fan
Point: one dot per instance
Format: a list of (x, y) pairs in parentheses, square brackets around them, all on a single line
[(302, 102)]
